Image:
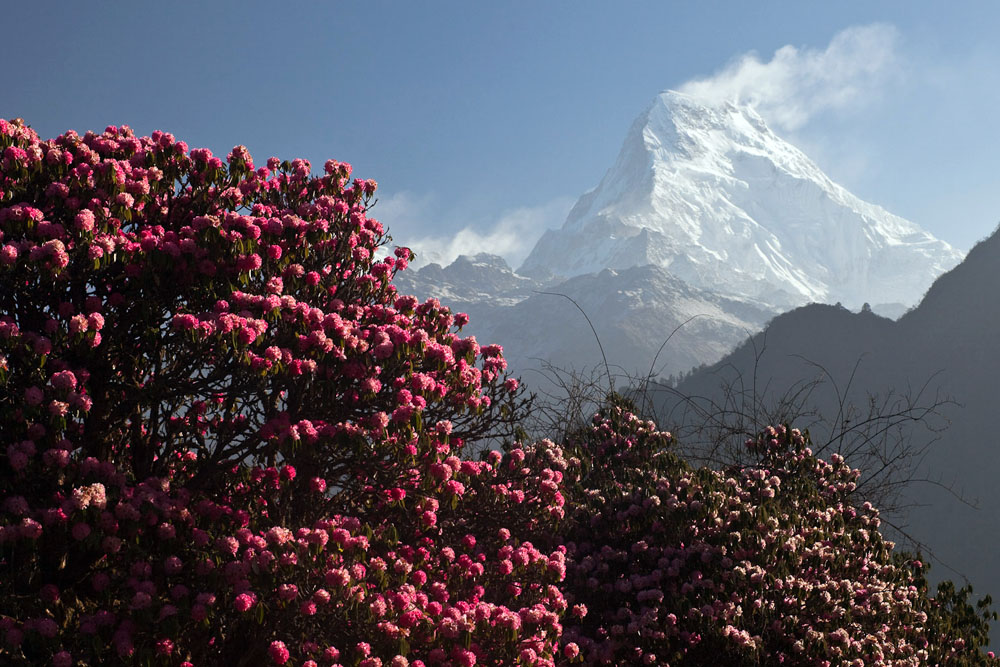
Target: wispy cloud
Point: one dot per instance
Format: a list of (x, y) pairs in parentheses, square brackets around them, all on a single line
[(511, 234), (796, 84)]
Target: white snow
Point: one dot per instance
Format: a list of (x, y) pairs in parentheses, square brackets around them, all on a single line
[(710, 193), (709, 222)]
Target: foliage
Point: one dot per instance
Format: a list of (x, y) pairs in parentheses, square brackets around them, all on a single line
[(226, 435), (228, 440), (751, 565)]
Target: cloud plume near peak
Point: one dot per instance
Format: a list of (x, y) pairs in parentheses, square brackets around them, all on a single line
[(511, 235), (797, 84)]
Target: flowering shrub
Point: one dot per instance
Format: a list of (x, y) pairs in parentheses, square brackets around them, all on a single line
[(226, 439), (670, 565)]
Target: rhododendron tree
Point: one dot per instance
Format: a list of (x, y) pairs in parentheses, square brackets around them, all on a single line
[(226, 438), (765, 564)]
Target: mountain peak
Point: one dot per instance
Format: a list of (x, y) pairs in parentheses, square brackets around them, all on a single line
[(712, 194), (482, 260), (678, 126), (682, 109)]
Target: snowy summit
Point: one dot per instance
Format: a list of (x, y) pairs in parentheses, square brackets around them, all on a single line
[(709, 193)]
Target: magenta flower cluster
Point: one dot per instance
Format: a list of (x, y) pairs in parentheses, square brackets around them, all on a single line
[(227, 439)]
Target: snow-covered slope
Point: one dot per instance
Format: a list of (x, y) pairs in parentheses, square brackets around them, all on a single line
[(482, 280), (633, 311), (712, 195)]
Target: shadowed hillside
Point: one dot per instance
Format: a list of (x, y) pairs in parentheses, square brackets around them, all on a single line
[(835, 369)]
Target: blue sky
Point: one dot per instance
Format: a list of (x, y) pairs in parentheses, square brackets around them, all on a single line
[(483, 122)]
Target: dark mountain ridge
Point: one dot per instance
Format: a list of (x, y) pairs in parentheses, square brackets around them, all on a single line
[(946, 348)]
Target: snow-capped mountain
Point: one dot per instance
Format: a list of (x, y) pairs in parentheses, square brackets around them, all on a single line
[(706, 213), (712, 195), (632, 310), (484, 279)]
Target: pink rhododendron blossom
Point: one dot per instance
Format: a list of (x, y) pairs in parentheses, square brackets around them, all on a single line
[(245, 601), (33, 395), (278, 652)]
